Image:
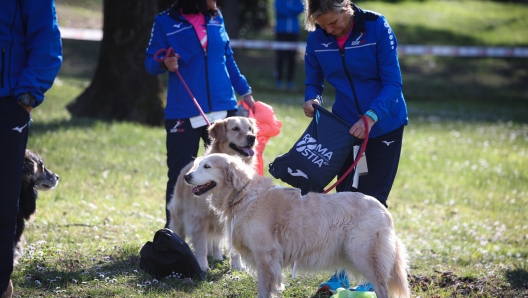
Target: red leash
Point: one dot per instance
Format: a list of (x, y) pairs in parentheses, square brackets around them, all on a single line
[(358, 157), (170, 53)]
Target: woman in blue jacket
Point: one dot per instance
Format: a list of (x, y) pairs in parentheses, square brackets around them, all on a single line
[(204, 58), (31, 56), (355, 51)]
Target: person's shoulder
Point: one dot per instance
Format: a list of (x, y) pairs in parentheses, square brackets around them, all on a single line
[(372, 15)]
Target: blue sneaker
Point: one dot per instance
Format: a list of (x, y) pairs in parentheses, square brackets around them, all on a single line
[(338, 280), (364, 287)]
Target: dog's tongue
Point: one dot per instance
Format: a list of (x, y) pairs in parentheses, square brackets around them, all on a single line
[(248, 151), (197, 188)]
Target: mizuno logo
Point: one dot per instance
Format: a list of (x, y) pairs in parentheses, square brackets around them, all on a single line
[(19, 129), (387, 142), (177, 25), (327, 44), (299, 173)]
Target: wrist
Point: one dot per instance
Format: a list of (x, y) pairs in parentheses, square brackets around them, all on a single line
[(372, 115), (27, 99)]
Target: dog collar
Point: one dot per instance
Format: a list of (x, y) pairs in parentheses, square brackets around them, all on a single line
[(235, 196)]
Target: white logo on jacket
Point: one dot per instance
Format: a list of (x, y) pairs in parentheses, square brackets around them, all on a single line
[(326, 44)]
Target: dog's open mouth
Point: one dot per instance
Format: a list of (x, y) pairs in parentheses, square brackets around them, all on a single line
[(244, 151), (201, 189)]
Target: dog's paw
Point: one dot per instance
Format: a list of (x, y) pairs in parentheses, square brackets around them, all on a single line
[(204, 267), (218, 256), (236, 263)]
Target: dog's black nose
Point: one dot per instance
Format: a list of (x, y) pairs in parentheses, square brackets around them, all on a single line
[(251, 140), (187, 177)]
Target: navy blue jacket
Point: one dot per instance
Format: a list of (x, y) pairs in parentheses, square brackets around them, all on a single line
[(368, 64), (287, 15), (210, 76), (31, 47)]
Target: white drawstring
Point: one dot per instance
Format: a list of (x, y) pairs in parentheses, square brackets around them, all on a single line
[(231, 235)]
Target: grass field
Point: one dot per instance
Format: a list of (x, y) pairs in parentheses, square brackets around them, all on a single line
[(458, 202)]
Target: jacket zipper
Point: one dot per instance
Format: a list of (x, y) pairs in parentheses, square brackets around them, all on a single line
[(3, 68), (206, 64), (207, 68)]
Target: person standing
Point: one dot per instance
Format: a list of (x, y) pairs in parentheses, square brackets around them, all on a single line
[(355, 51), (287, 28), (203, 56), (31, 57)]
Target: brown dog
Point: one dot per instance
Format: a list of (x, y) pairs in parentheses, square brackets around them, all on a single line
[(274, 227), (194, 218)]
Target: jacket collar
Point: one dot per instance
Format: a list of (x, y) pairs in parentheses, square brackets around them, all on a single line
[(359, 19), (176, 14)]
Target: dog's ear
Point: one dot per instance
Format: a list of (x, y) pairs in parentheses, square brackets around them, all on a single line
[(218, 131), (253, 122), (235, 173)]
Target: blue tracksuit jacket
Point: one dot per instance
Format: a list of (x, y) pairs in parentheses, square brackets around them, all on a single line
[(37, 39), (287, 15), (369, 63), (210, 76)]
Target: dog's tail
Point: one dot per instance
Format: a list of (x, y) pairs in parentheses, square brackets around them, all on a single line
[(398, 285)]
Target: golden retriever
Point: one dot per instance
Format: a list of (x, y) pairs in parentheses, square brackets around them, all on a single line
[(194, 218), (274, 227)]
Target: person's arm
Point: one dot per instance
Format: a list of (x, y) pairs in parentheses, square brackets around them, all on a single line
[(238, 81), (157, 41), (44, 48), (314, 74), (389, 70)]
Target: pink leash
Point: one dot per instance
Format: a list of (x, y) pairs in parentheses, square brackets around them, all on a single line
[(170, 53), (358, 157)]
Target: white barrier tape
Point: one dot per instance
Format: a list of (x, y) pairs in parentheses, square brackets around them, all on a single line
[(434, 50)]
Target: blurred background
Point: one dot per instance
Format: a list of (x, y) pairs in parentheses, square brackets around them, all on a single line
[(426, 77)]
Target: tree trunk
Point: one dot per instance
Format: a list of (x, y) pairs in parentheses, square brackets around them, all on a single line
[(230, 11), (121, 88)]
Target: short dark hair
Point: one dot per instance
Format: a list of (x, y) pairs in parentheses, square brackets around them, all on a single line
[(194, 7)]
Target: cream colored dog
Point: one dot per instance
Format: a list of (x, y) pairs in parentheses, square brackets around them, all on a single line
[(274, 227), (194, 218)]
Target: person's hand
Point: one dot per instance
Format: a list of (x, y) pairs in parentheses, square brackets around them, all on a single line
[(358, 130), (308, 109), (248, 99), (172, 62), (28, 109)]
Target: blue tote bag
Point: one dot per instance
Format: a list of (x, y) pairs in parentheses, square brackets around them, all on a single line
[(318, 154)]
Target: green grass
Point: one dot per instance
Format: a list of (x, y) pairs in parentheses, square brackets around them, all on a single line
[(458, 203), (467, 22)]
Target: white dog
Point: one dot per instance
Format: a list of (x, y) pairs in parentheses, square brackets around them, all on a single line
[(194, 218), (275, 227)]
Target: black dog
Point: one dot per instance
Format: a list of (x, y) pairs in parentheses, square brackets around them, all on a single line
[(34, 178)]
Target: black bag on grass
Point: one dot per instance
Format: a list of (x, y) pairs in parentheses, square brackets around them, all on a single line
[(318, 155), (168, 253)]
